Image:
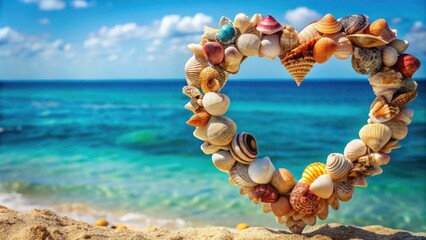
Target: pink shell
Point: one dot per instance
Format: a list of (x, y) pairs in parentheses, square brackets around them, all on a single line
[(302, 200), (268, 25), (214, 52)]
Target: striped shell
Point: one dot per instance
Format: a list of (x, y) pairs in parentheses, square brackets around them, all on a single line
[(355, 23), (375, 136), (344, 48), (398, 128), (268, 25), (220, 130), (313, 171), (338, 166), (212, 79), (390, 56), (302, 200), (283, 180), (244, 147), (193, 67), (261, 170), (239, 174), (355, 149), (308, 33), (344, 191), (223, 160), (403, 99), (328, 25), (381, 111), (248, 44)]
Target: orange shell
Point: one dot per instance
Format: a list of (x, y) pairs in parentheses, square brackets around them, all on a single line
[(324, 49), (328, 24), (212, 79), (403, 99), (381, 29), (199, 119)]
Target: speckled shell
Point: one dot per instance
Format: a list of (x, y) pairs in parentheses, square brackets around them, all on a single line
[(281, 207), (405, 115), (244, 147), (192, 92), (322, 186), (270, 46), (381, 111), (199, 119), (302, 200), (366, 61), (344, 191), (193, 67), (268, 25), (200, 133), (398, 128), (390, 56), (288, 39), (338, 166), (344, 48), (355, 23), (220, 130), (242, 22), (212, 79), (214, 52), (375, 136), (232, 60), (355, 149), (265, 193), (208, 148), (328, 25), (312, 172), (399, 45), (324, 49), (386, 83), (403, 99), (366, 40), (407, 64), (239, 174), (283, 180), (308, 33), (261, 170), (223, 161), (216, 104), (210, 33), (248, 44), (381, 29)]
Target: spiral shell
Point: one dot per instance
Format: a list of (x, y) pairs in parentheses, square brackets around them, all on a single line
[(355, 23), (313, 171), (344, 48), (344, 191), (265, 193), (281, 207), (390, 56), (192, 92), (405, 115), (223, 160), (386, 83), (324, 49), (328, 25), (199, 119), (322, 186), (381, 29), (366, 60), (261, 170), (375, 136), (355, 149), (248, 44), (399, 45), (338, 166), (193, 67), (398, 128), (289, 39), (244, 147), (239, 174), (302, 200), (268, 25), (308, 33), (283, 180), (216, 104), (212, 79), (220, 130)]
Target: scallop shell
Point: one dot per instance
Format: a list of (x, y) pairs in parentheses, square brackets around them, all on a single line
[(268, 25), (355, 23), (199, 119), (381, 158), (302, 200), (381, 29), (214, 52), (239, 174), (366, 40), (308, 33), (324, 49), (398, 128), (261, 170), (399, 45), (312, 172), (244, 147), (281, 207), (210, 33), (227, 34), (403, 99), (344, 48), (192, 92), (328, 25), (223, 161), (355, 149), (386, 83), (390, 56), (232, 60), (375, 136), (220, 130), (366, 61), (405, 115), (381, 111), (248, 44), (270, 46), (407, 64), (283, 180), (208, 148), (212, 79), (338, 166), (193, 67), (216, 104), (200, 133), (265, 193), (194, 105), (322, 186), (344, 191), (288, 39), (242, 22)]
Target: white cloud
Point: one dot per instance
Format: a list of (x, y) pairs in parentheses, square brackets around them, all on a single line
[(79, 4), (417, 39), (301, 16), (49, 5), (44, 21)]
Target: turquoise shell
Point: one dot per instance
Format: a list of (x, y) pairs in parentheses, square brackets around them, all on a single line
[(226, 35)]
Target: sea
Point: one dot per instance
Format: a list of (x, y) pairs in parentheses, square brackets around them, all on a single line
[(121, 150)]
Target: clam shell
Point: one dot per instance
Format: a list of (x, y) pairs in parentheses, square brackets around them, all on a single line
[(244, 147), (212, 79), (366, 61), (312, 172), (381, 29), (239, 174), (216, 104), (214, 52), (355, 149), (398, 128), (338, 166), (399, 45), (302, 200), (270, 46), (268, 25), (288, 39), (344, 48), (232, 60), (194, 105), (381, 158), (405, 115), (200, 133), (403, 99), (199, 119), (248, 44), (390, 56), (281, 207), (324, 49), (283, 180), (308, 33), (210, 33), (381, 111), (208, 148), (407, 64), (375, 136), (227, 34), (328, 25), (355, 23), (344, 191), (223, 161), (322, 186), (366, 40), (193, 67), (242, 22), (192, 92), (389, 146), (386, 83), (220, 130), (261, 170)]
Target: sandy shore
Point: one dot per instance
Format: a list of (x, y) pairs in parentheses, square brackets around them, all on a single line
[(47, 225)]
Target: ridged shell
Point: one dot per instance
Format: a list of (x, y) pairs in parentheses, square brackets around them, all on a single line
[(344, 191), (268, 25), (214, 52), (338, 166), (405, 115), (322, 186), (223, 161), (390, 56), (244, 147), (248, 44), (210, 33), (212, 79), (398, 128), (399, 45), (344, 48), (283, 180), (403, 99), (208, 148), (324, 49), (381, 29), (355, 23), (193, 67), (239, 174), (302, 200), (266, 207), (312, 172), (281, 207), (355, 149), (308, 33), (386, 83), (199, 119), (242, 22), (216, 104), (366, 60), (407, 64), (366, 40), (375, 136), (389, 146), (200, 133), (232, 60), (288, 39), (328, 25), (381, 158), (194, 105), (270, 46), (261, 170), (220, 130), (192, 92), (381, 111)]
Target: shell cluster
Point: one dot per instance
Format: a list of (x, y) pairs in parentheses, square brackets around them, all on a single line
[(374, 50)]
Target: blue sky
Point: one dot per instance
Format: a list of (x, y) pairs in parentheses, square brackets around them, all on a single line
[(116, 39)]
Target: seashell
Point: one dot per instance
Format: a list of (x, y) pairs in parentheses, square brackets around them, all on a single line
[(266, 207), (405, 115), (214, 52), (192, 92), (203, 40), (199, 119), (270, 46), (312, 172), (261, 170), (398, 128), (328, 24), (367, 160), (386, 83), (407, 64), (366, 61), (335, 36), (322, 186), (381, 29), (196, 49), (281, 207), (245, 190), (265, 193), (288, 39), (399, 45), (355, 149), (310, 219), (322, 211), (242, 22), (283, 180), (389, 146), (232, 182), (308, 33), (268, 25), (216, 104), (223, 161), (232, 60), (300, 60), (366, 40), (200, 133), (193, 67), (381, 111), (334, 202), (208, 148), (244, 147), (239, 174), (338, 166), (302, 200), (212, 79), (355, 23), (194, 105), (224, 21), (242, 226), (227, 35), (403, 99), (408, 85), (296, 229), (324, 49), (255, 19), (344, 191), (375, 136), (343, 49), (210, 33), (390, 56), (248, 44), (220, 130), (381, 158), (359, 182)]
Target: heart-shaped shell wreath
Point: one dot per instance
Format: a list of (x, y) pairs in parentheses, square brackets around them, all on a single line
[(375, 50)]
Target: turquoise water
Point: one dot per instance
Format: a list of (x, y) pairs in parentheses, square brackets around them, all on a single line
[(123, 148)]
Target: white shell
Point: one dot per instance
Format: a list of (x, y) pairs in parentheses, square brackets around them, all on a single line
[(242, 22), (344, 48), (381, 158), (248, 44), (210, 33), (216, 104), (270, 46), (322, 186), (197, 49), (220, 130), (338, 166), (200, 133), (261, 170), (390, 56), (223, 160), (355, 149), (193, 67), (208, 148), (232, 60), (405, 115)]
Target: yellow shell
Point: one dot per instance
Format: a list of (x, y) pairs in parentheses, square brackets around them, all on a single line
[(102, 223), (328, 24), (398, 128), (313, 171), (375, 136), (381, 111), (242, 226), (212, 79)]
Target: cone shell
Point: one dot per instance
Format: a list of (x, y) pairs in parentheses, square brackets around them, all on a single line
[(381, 29), (381, 111), (199, 119), (344, 191), (212, 79), (366, 40), (232, 60), (242, 22), (239, 174), (270, 46), (208, 148), (193, 67), (398, 128), (324, 49), (308, 33), (338, 166), (261, 170), (355, 23), (281, 207), (328, 25), (344, 48), (313, 171), (355, 149), (289, 39), (214, 52), (386, 83), (200, 133), (223, 161), (216, 104), (322, 186), (302, 200), (283, 180), (399, 45), (244, 147), (375, 136), (407, 64), (403, 99), (366, 61), (248, 44), (405, 115), (220, 130), (192, 92), (390, 56), (268, 25)]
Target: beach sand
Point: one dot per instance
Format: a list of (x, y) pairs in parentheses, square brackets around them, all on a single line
[(47, 225)]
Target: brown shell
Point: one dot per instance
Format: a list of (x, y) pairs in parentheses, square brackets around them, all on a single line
[(366, 40), (289, 39), (381, 29), (381, 111), (302, 200), (324, 49), (212, 79), (283, 180), (199, 119), (328, 24), (239, 174), (391, 145), (265, 193), (403, 99), (344, 191), (281, 207)]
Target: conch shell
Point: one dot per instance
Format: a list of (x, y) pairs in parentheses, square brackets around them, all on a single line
[(239, 174), (216, 104), (312, 172), (223, 161), (328, 25), (261, 170), (355, 149), (244, 148), (212, 79), (289, 39), (381, 111), (338, 166), (220, 130), (302, 200), (283, 180), (386, 83), (375, 136)]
